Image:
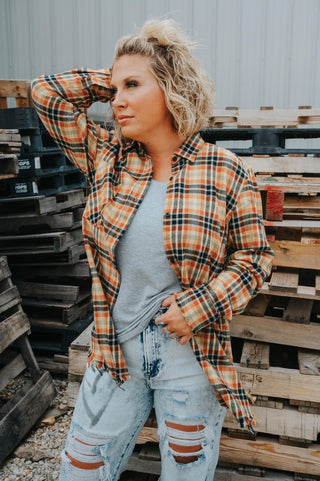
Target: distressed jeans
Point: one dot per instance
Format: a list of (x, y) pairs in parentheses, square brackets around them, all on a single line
[(108, 419)]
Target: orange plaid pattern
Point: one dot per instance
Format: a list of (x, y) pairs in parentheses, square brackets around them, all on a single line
[(212, 227)]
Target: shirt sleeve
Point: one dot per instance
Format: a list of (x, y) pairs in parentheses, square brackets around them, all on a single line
[(248, 264), (61, 102)]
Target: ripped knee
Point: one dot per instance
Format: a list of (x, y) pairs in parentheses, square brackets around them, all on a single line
[(83, 449), (186, 440)]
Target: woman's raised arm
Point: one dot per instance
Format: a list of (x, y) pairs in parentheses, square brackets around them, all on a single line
[(62, 100)]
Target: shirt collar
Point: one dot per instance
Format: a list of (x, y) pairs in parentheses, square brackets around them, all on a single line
[(190, 148)]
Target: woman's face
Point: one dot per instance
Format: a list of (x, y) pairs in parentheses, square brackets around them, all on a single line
[(138, 101)]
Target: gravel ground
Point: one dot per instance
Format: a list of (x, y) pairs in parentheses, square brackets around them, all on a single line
[(38, 456)]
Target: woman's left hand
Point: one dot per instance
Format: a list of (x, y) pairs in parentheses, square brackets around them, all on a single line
[(173, 321)]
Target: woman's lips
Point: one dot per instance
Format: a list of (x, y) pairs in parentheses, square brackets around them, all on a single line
[(122, 119)]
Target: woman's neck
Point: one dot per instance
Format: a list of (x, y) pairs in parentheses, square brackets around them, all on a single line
[(161, 153)]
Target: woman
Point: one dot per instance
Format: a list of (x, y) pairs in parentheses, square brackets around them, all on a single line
[(176, 246)]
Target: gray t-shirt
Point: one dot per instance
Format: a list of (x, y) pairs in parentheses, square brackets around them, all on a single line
[(146, 275)]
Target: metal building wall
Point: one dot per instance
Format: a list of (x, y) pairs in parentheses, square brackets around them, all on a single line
[(259, 52)]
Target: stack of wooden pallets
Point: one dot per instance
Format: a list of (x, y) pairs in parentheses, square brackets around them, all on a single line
[(19, 411), (276, 339), (40, 228)]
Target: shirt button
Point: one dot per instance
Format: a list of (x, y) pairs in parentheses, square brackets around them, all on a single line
[(171, 178), (167, 214)]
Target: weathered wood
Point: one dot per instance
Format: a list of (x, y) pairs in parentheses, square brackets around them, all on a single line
[(298, 310), (280, 383), (264, 117), (303, 292), (272, 203), (284, 281), (13, 327), (287, 422), (11, 370), (40, 290), (293, 254), (284, 164), (255, 354), (50, 310), (70, 256), (23, 414), (9, 298), (270, 454), (309, 362), (80, 269), (18, 225), (258, 305), (306, 185), (4, 269), (18, 89), (273, 330), (39, 243), (29, 357)]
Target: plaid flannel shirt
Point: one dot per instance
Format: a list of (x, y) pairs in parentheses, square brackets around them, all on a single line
[(212, 227)]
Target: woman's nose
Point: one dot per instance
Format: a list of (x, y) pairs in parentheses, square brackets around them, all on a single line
[(118, 99)]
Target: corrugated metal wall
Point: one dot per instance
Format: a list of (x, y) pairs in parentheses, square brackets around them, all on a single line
[(259, 52)]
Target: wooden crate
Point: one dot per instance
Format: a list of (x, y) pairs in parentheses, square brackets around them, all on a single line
[(21, 411)]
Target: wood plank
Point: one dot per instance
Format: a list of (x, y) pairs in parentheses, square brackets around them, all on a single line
[(9, 298), (12, 328), (297, 223), (24, 414), (293, 254), (41, 290), (270, 454), (280, 383), (303, 292), (284, 164), (51, 222), (274, 330), (309, 362), (272, 203), (39, 243), (298, 310), (11, 370), (282, 280), (80, 269), (4, 269), (306, 185), (258, 305), (255, 354), (281, 422)]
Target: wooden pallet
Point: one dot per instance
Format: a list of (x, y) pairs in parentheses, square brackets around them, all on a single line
[(20, 90), (36, 206), (21, 411), (265, 117), (50, 242)]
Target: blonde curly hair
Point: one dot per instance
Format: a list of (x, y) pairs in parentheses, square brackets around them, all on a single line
[(188, 90)]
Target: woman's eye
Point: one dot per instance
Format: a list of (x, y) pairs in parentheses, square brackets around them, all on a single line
[(132, 83)]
